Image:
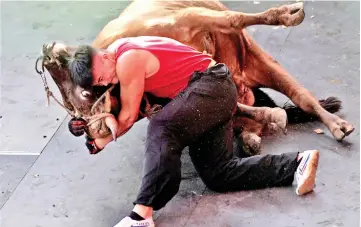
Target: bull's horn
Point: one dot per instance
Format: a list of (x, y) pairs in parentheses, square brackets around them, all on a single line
[(112, 124), (56, 52)]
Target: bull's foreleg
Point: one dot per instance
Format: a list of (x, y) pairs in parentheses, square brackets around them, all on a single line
[(266, 72), (228, 21)]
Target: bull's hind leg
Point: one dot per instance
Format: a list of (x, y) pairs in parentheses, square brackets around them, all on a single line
[(183, 24), (266, 72)]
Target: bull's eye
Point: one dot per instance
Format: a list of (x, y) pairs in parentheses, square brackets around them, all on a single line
[(86, 94)]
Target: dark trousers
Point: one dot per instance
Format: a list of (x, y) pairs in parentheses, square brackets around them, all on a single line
[(201, 118)]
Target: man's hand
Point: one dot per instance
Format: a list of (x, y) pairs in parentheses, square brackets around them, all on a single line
[(96, 145), (77, 126)]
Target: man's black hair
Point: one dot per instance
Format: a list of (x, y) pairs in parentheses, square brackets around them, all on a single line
[(80, 66)]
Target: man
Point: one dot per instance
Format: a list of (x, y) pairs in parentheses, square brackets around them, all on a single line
[(204, 98)]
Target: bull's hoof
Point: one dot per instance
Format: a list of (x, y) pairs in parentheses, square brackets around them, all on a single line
[(295, 14), (251, 143), (290, 15), (339, 127)]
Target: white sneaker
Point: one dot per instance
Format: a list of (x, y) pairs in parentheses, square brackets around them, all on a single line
[(306, 172), (128, 222)]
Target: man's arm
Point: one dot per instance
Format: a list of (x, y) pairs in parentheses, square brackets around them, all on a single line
[(131, 70)]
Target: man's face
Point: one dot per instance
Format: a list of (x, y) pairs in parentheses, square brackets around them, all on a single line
[(103, 68)]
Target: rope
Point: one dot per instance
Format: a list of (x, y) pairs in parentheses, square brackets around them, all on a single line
[(46, 87), (100, 98)]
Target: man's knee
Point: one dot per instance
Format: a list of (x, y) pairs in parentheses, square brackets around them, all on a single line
[(155, 124)]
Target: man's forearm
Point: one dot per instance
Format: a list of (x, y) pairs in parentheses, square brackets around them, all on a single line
[(126, 119)]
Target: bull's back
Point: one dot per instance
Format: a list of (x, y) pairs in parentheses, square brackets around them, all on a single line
[(133, 22), (154, 8)]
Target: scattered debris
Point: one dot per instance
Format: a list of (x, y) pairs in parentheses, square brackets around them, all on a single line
[(335, 81), (318, 131), (284, 27), (312, 16), (36, 175), (256, 2)]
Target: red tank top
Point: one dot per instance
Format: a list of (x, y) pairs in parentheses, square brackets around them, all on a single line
[(177, 63)]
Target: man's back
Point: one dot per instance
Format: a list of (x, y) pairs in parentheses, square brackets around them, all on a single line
[(177, 62)]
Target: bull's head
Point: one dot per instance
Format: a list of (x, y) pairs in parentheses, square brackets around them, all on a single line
[(97, 105)]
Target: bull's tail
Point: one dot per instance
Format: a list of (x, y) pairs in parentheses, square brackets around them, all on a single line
[(294, 113)]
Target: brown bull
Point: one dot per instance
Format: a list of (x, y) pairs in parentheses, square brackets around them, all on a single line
[(207, 26)]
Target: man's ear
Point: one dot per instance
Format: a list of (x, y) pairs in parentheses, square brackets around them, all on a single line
[(106, 56)]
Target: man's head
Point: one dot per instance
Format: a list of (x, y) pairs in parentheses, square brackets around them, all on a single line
[(89, 66)]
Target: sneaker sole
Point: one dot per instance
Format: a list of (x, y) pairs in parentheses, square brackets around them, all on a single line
[(310, 173)]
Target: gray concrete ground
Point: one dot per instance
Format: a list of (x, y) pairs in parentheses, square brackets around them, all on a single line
[(49, 180)]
